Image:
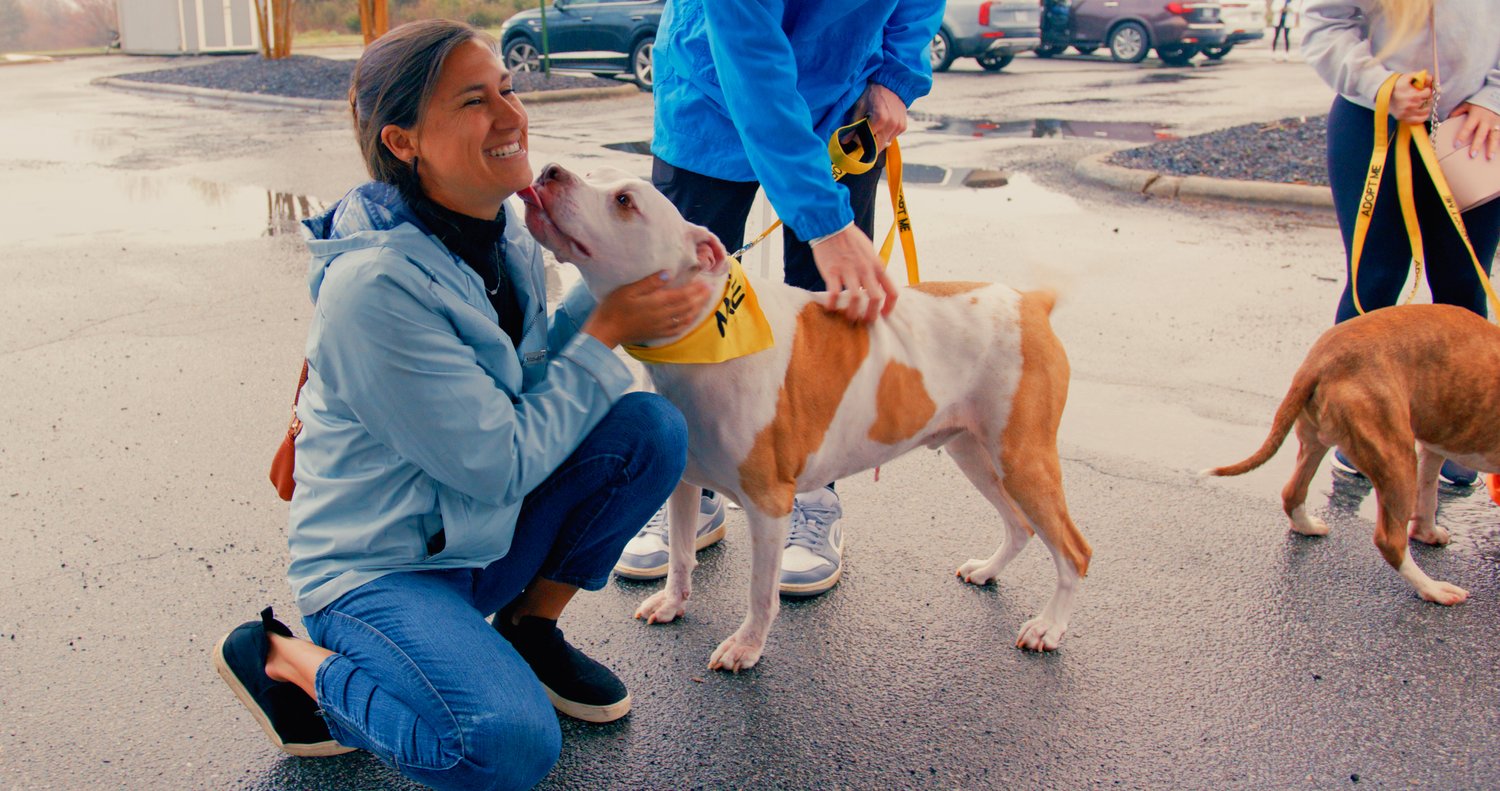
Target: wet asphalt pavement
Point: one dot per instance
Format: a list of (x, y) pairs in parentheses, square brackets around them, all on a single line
[(154, 313)]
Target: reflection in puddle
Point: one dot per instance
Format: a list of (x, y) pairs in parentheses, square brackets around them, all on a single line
[(1131, 131), (633, 147), (975, 178), (142, 208)]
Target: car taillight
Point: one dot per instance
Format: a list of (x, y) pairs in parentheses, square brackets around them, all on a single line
[(984, 14), (1177, 8)]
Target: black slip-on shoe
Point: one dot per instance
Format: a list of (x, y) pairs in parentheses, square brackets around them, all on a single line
[(577, 685), (283, 710)]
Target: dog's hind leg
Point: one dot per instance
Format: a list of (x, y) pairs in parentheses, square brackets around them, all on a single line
[(1294, 496), (1035, 485), (1389, 461), (1424, 526), (978, 465), (767, 538)]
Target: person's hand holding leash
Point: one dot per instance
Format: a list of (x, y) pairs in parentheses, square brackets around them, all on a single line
[(646, 310), (1480, 132), (1411, 105), (886, 111), (847, 260)]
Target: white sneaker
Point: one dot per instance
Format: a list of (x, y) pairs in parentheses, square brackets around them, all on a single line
[(646, 556), (813, 560)]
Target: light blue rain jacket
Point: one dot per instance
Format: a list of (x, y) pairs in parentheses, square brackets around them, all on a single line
[(751, 90), (419, 415)]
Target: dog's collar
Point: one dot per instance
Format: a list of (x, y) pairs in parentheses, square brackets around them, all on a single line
[(737, 327)]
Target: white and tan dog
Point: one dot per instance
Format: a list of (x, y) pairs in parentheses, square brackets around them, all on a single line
[(1378, 386), (972, 367)]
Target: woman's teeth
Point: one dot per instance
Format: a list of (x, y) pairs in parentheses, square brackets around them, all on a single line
[(508, 150)]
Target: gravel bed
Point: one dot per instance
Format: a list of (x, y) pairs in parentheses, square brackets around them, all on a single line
[(1289, 151), (310, 77)]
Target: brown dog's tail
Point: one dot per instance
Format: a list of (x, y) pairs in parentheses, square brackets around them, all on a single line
[(1286, 416)]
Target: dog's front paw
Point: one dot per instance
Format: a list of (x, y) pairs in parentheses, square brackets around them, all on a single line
[(1428, 532), (1308, 525), (1442, 593), (664, 606), (739, 652), (977, 572), (1041, 634)]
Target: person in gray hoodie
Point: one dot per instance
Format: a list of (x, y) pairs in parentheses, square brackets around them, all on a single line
[(460, 454), (1355, 45)]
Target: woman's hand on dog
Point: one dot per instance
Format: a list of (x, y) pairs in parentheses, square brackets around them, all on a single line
[(646, 310)]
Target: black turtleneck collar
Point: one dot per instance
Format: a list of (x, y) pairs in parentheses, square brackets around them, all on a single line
[(481, 245)]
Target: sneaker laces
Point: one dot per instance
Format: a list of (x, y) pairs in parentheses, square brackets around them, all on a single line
[(810, 523), (656, 525)]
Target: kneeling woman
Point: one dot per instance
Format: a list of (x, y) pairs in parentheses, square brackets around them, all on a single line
[(459, 455)]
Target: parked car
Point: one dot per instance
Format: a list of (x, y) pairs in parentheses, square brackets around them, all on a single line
[(1131, 28), (1244, 21), (992, 33), (602, 37)]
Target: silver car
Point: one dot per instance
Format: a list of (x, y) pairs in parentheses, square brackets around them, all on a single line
[(990, 32)]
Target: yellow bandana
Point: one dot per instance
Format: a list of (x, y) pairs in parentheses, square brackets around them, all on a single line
[(735, 329)]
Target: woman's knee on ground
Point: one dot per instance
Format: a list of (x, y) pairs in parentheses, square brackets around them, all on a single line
[(503, 750)]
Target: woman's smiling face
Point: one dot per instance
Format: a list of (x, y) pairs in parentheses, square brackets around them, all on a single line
[(471, 142)]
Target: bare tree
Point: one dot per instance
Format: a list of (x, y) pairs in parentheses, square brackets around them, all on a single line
[(99, 18), (13, 24)]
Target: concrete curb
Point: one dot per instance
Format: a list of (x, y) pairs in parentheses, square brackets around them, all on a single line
[(339, 105), (1095, 168)]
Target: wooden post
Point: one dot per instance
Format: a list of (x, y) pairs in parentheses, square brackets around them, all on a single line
[(374, 19)]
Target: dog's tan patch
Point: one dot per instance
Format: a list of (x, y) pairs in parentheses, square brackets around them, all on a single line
[(826, 352), (948, 288), (1028, 443), (902, 405)]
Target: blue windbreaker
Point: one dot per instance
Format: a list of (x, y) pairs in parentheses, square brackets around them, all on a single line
[(751, 90), (419, 415)]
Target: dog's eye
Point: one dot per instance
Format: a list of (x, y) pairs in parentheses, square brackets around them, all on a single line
[(623, 199)]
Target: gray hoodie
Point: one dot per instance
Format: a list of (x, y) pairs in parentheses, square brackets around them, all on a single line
[(1342, 37)]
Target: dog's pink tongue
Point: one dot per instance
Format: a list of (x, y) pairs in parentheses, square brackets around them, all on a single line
[(528, 195)]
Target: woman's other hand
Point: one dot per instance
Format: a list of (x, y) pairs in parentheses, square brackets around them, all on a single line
[(1410, 105), (1480, 131), (646, 310), (848, 262)]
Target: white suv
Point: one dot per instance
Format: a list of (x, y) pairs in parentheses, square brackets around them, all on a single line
[(1244, 20)]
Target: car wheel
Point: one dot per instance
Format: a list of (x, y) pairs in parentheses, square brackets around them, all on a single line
[(1047, 50), (941, 51), (522, 55), (1217, 53), (1176, 54), (1128, 43), (640, 63), (1085, 50), (990, 62)]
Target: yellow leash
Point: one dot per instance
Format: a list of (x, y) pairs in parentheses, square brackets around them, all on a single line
[(854, 161), (1405, 134)]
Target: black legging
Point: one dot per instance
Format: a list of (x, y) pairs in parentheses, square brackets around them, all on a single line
[(1386, 259), (1284, 34)]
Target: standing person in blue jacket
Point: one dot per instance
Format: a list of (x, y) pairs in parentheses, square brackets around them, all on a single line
[(1355, 45), (747, 95), (460, 454)]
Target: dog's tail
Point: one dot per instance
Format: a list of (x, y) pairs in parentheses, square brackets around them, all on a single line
[(1286, 416)]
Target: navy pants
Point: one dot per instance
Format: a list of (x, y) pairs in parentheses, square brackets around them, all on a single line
[(723, 207), (419, 678), (1386, 259)]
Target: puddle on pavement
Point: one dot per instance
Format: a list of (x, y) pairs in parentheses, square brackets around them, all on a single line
[(1129, 131), (1468, 514), (1167, 77), (142, 208), (974, 178), (634, 147)]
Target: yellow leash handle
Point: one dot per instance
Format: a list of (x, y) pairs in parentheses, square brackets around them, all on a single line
[(861, 155), (1406, 135)]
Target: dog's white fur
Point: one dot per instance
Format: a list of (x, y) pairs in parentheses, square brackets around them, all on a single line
[(964, 359)]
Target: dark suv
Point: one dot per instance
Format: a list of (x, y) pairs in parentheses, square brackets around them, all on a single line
[(603, 37), (1131, 28)]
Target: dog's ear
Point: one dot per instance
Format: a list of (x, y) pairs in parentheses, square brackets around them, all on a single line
[(708, 250)]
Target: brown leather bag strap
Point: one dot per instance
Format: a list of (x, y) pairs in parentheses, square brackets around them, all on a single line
[(302, 380)]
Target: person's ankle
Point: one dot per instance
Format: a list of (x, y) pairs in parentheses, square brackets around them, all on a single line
[(278, 668)]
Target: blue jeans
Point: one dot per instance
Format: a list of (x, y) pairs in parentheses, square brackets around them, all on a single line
[(1386, 260), (420, 679)]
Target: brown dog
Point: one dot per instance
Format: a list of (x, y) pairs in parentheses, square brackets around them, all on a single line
[(1377, 386)]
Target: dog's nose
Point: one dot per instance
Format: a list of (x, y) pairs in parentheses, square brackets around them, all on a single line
[(554, 172)]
